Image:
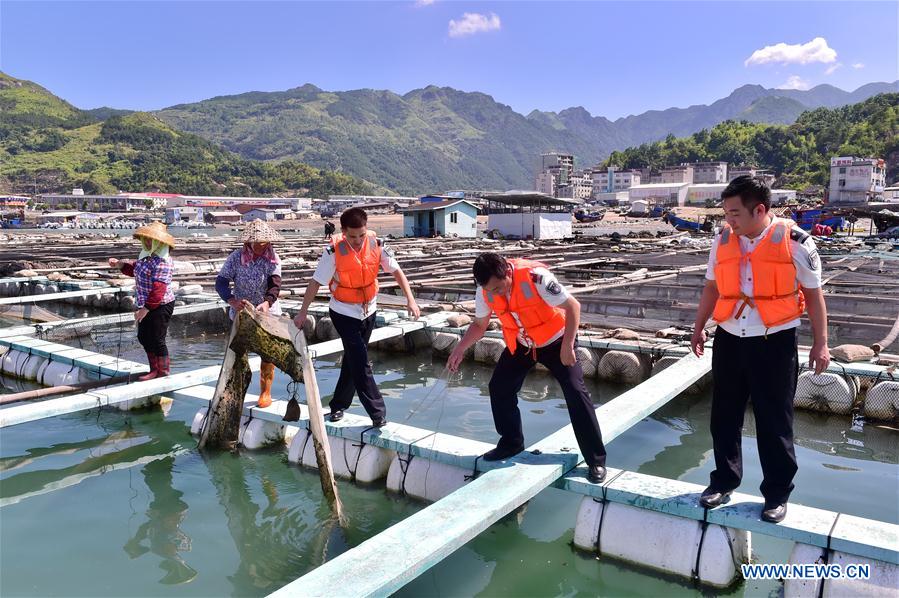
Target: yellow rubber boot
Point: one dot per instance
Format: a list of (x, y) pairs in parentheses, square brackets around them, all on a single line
[(266, 377)]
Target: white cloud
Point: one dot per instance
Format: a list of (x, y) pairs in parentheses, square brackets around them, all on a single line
[(795, 82), (424, 2), (816, 50), (833, 68), (472, 22), (858, 65)]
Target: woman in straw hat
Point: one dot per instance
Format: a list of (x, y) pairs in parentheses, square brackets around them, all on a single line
[(152, 274), (254, 271)]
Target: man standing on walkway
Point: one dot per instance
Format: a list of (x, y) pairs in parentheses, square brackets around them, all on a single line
[(349, 266), (540, 321), (763, 273)]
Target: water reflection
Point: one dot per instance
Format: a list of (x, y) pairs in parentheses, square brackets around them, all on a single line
[(837, 435), (161, 533), (106, 453), (275, 540)]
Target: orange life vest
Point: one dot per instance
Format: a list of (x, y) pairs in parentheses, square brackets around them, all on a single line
[(356, 275), (775, 290), (539, 321)]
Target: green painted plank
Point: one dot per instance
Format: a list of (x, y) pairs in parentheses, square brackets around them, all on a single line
[(628, 408), (23, 413), (6, 333), (404, 551), (867, 538), (386, 562), (807, 525), (64, 295), (18, 414)]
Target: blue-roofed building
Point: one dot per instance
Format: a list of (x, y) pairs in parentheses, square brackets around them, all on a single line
[(447, 218)]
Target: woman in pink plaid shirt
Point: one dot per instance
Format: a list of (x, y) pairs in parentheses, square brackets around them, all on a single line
[(155, 299)]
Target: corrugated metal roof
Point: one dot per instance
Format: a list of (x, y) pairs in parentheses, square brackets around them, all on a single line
[(430, 206), (529, 198)]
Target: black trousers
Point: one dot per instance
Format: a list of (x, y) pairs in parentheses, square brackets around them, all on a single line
[(506, 381), (764, 368), (355, 371), (152, 329)]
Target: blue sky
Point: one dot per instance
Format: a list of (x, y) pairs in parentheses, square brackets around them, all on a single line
[(613, 58)]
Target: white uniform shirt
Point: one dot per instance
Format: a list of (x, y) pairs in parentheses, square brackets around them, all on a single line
[(808, 273), (327, 270), (549, 289)]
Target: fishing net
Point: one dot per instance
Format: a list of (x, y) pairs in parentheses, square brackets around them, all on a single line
[(873, 397), (488, 350), (623, 367)]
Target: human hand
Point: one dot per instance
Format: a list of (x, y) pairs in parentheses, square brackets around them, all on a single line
[(413, 308), (113, 262), (819, 357), (299, 319), (697, 343), (455, 358), (263, 307), (567, 356), (140, 314)]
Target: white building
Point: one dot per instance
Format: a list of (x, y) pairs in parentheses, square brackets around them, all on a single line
[(856, 180), (580, 187), (891, 194), (529, 215), (612, 180), (263, 214), (766, 175), (704, 193), (780, 197), (96, 203), (676, 174), (546, 183), (709, 172), (667, 195), (562, 165)]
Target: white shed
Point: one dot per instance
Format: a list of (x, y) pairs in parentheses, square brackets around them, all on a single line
[(529, 215)]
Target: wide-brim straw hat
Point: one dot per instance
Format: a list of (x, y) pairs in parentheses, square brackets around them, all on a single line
[(258, 231), (155, 230)]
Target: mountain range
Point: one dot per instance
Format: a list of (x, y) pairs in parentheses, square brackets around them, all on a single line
[(307, 140), (440, 138), (48, 145)]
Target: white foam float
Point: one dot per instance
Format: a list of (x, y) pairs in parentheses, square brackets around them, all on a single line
[(882, 401), (350, 459), (623, 367), (423, 478), (488, 350), (882, 581), (662, 542), (828, 393)]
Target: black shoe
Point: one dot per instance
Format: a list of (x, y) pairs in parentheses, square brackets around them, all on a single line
[(292, 413), (774, 513), (596, 474), (335, 416), (711, 498), (499, 453), (379, 423)]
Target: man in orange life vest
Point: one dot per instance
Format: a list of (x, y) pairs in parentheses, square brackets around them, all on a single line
[(540, 321), (349, 266), (763, 273)]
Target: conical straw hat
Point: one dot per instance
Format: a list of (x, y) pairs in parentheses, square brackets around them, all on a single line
[(155, 230), (258, 231)]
